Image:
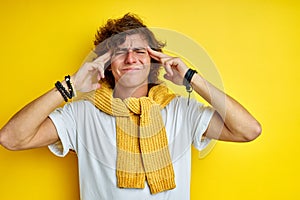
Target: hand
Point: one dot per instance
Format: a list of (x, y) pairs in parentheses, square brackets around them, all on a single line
[(88, 76), (175, 68)]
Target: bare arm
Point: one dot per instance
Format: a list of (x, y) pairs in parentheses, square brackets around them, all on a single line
[(31, 126), (231, 121)]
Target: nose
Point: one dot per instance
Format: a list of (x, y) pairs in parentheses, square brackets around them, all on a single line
[(130, 57)]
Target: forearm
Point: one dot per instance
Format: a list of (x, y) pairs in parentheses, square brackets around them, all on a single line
[(235, 117), (23, 126), (231, 122), (31, 127)]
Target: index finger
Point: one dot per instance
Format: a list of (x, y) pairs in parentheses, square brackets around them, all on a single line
[(103, 58), (156, 55)]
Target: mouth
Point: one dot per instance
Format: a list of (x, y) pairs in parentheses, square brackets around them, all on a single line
[(131, 69)]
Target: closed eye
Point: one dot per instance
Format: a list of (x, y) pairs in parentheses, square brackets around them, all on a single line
[(120, 52), (140, 50)]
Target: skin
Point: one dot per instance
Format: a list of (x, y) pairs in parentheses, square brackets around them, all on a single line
[(31, 127), (232, 122), (131, 67)]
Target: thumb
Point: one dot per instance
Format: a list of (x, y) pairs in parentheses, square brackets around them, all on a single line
[(168, 77)]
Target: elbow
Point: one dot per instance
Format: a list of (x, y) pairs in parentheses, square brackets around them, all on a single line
[(6, 142), (254, 132), (9, 146)]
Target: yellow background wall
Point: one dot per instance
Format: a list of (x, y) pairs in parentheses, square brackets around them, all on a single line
[(254, 43)]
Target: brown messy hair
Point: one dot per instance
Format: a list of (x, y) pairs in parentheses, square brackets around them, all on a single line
[(114, 33)]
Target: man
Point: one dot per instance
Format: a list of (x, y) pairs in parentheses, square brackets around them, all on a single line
[(132, 135)]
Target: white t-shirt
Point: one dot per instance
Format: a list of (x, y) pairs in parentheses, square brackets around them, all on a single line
[(92, 135)]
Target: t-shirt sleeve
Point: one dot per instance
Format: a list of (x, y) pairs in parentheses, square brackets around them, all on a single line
[(199, 141), (63, 120), (199, 117)]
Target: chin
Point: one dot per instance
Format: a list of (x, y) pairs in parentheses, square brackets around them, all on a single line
[(131, 83)]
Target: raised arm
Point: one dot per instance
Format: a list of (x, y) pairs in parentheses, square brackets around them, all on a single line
[(31, 127), (231, 121)]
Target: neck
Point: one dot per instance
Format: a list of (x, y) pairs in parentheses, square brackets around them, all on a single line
[(124, 92)]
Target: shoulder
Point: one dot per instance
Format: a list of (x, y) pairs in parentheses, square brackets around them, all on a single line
[(76, 107), (187, 109), (180, 102), (80, 104)]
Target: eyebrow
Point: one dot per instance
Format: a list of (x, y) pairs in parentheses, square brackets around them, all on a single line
[(134, 49)]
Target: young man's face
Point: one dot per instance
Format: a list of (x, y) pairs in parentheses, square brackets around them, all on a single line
[(130, 62)]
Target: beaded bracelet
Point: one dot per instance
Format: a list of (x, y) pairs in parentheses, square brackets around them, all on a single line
[(187, 81), (70, 87), (62, 90), (70, 93)]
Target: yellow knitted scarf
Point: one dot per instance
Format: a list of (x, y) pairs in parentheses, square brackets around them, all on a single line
[(142, 145)]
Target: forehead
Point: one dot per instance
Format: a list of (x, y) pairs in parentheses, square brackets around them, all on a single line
[(133, 41)]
